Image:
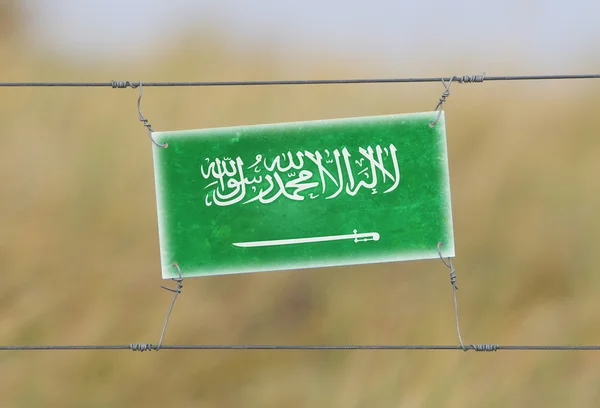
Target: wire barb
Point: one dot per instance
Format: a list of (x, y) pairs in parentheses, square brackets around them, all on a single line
[(142, 118), (177, 291)]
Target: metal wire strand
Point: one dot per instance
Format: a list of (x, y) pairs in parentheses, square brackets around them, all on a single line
[(460, 79), (146, 347), (454, 290), (176, 292), (476, 347)]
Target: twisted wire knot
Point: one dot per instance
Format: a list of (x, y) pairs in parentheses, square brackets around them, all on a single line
[(450, 266), (467, 79), (443, 98), (484, 347), (141, 347), (146, 124), (453, 276), (179, 281), (123, 84), (440, 106)]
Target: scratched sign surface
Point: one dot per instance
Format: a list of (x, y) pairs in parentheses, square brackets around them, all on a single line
[(303, 195)]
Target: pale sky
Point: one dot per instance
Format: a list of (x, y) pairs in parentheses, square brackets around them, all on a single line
[(550, 35)]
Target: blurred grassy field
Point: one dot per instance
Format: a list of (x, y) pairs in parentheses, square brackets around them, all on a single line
[(79, 248)]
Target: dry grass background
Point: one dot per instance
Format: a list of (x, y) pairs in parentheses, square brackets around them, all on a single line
[(79, 248)]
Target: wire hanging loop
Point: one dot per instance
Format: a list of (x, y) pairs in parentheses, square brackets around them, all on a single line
[(440, 106), (177, 291), (454, 289), (145, 121), (476, 347)]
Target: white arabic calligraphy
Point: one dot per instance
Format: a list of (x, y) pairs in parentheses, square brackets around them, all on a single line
[(301, 175)]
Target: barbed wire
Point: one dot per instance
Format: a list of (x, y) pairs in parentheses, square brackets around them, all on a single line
[(459, 79)]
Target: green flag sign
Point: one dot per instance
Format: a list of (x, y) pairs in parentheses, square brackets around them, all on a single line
[(303, 195)]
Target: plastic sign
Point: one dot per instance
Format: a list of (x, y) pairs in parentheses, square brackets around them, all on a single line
[(303, 195)]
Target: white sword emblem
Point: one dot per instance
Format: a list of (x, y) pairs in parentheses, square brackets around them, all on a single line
[(363, 237)]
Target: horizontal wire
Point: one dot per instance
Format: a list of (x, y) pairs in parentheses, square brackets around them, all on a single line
[(460, 79), (148, 347)]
